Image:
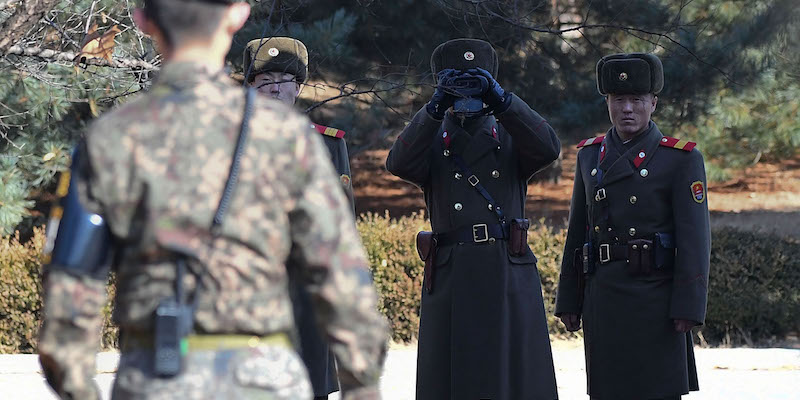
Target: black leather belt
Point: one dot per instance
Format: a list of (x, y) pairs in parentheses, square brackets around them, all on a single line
[(613, 252), (478, 233)]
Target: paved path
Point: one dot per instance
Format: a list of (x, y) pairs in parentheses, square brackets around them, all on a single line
[(729, 374)]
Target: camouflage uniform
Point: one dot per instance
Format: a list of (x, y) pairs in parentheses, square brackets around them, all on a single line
[(157, 167)]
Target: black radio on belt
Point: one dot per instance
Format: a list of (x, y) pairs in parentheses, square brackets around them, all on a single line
[(173, 322)]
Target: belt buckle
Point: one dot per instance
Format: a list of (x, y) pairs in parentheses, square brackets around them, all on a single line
[(605, 253), (600, 195), (479, 229)]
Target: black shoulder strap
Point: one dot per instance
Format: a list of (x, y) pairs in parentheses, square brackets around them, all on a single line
[(233, 175)]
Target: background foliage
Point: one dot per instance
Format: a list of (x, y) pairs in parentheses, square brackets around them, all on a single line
[(753, 297), (731, 70)]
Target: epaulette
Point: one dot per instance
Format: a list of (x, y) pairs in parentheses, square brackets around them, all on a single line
[(590, 141), (333, 132), (684, 145)]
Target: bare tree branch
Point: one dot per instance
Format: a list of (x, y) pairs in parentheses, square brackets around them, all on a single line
[(15, 27), (68, 56)]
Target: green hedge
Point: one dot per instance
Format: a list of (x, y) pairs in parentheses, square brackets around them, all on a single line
[(754, 294)]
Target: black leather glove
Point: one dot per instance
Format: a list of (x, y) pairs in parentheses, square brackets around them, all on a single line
[(496, 98), (441, 100)]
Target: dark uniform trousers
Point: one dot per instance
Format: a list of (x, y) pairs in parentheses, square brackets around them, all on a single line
[(483, 332)]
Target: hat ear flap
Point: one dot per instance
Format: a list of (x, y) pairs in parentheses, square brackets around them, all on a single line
[(658, 74), (599, 73)]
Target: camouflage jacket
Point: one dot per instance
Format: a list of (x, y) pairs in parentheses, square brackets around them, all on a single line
[(156, 170)]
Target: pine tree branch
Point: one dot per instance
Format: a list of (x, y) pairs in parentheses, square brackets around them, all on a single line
[(8, 4), (25, 16), (68, 56)]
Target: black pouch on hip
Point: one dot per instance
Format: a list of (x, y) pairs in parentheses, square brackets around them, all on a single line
[(426, 249), (640, 257), (518, 240)]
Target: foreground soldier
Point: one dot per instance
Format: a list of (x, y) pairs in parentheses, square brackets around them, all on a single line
[(483, 332), (636, 258), (200, 236), (276, 67)]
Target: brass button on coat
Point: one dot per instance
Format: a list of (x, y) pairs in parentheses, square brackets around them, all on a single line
[(495, 174), (634, 199), (458, 175), (644, 173), (594, 172), (458, 206), (632, 231), (597, 229), (446, 153)]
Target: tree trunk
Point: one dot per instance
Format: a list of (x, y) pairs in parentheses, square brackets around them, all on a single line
[(26, 15)]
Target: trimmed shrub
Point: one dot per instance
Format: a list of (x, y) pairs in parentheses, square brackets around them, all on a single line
[(20, 292), (396, 268), (754, 288), (754, 293)]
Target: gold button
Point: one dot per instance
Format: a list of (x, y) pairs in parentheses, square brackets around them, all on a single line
[(458, 175), (597, 229), (632, 231), (458, 206), (644, 173), (645, 247), (491, 207), (447, 153), (594, 172), (635, 247), (495, 174), (633, 199)]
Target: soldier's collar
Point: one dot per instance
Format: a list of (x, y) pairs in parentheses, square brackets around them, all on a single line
[(186, 74)]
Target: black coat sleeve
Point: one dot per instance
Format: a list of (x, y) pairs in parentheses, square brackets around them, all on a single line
[(535, 141), (568, 292), (409, 157), (692, 240)]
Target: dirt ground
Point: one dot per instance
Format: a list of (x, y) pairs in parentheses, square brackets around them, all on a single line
[(763, 197)]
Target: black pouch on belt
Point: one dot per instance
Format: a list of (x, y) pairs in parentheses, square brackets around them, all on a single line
[(518, 240), (426, 248), (640, 257)]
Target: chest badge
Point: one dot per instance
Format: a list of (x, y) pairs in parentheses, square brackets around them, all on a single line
[(699, 192), (345, 180)]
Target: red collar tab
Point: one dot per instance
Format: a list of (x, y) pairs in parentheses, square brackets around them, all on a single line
[(447, 139), (640, 158)]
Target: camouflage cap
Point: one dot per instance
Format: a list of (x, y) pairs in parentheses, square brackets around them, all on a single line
[(464, 54), (632, 73), (276, 54)]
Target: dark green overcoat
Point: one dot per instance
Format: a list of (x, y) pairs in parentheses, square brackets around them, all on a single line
[(483, 332), (651, 185)]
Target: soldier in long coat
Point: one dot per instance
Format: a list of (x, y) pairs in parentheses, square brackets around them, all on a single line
[(483, 332), (636, 259), (277, 66)]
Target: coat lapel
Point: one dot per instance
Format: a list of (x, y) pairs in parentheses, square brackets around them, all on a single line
[(483, 140), (641, 154), (633, 159)]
